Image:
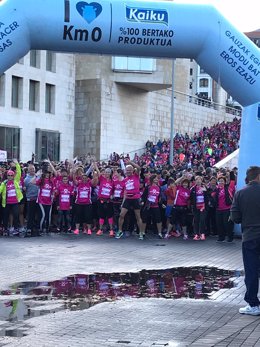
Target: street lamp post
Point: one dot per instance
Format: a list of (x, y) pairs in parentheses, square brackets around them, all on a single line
[(172, 115)]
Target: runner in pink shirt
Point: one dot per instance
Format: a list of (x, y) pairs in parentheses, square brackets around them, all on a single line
[(64, 193), (83, 203), (199, 203), (179, 215), (11, 196), (131, 198), (151, 210), (105, 204), (45, 199), (118, 194), (224, 197)]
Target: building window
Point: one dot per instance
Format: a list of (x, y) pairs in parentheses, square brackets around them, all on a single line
[(2, 90), (204, 82), (50, 98), (35, 58), (50, 61), (10, 141), (17, 92), (191, 72), (202, 70), (34, 95), (126, 64), (47, 145)]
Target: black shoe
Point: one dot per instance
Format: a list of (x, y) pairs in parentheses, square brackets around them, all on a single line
[(230, 240), (220, 240)]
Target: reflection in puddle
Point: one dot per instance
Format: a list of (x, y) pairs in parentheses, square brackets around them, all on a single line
[(79, 292)]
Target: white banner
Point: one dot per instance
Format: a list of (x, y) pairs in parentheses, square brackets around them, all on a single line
[(3, 155)]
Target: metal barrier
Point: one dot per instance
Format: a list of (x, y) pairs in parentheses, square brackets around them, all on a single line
[(207, 103)]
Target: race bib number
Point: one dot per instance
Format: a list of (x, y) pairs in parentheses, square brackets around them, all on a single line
[(129, 185), (117, 193), (83, 195), (11, 193), (152, 198), (200, 199), (65, 198), (46, 193), (105, 191)]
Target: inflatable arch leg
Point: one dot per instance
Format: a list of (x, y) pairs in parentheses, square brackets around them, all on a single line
[(249, 137)]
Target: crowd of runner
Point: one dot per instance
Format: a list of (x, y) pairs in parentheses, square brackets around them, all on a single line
[(188, 198)]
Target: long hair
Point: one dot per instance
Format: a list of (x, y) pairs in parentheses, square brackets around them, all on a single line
[(43, 177)]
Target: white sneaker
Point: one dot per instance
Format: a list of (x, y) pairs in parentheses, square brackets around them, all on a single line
[(251, 310)]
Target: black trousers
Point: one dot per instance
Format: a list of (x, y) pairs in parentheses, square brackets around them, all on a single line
[(199, 221), (211, 221), (225, 226), (14, 210), (251, 259), (32, 215)]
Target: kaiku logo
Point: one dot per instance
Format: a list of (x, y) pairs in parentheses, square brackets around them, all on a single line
[(146, 15), (89, 11)]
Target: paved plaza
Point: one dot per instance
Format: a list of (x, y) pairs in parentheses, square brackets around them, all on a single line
[(129, 321)]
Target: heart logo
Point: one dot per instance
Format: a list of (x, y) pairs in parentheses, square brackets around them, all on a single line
[(89, 11)]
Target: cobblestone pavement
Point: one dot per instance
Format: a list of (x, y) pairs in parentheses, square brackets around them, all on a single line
[(128, 322)]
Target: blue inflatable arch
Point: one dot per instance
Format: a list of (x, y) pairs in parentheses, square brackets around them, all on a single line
[(142, 28)]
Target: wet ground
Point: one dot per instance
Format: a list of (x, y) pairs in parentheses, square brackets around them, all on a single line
[(94, 292), (25, 300)]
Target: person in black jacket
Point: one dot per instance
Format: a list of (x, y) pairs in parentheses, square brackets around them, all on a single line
[(245, 209), (223, 197), (211, 225), (199, 204)]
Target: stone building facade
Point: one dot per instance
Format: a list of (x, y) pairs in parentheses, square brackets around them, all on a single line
[(37, 107), (119, 110), (62, 105)]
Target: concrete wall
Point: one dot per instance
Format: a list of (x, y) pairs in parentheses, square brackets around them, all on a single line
[(88, 117), (130, 117), (123, 118), (119, 111)]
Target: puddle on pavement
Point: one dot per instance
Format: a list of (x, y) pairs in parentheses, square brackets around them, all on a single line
[(79, 292)]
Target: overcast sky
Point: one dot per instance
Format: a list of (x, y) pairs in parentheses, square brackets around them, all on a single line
[(244, 15)]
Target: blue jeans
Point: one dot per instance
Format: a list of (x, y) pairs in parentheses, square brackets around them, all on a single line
[(251, 259)]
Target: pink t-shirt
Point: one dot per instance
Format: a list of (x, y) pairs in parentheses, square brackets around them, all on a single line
[(106, 187), (119, 189), (153, 195), (83, 190), (132, 187), (222, 206), (11, 197), (64, 192), (45, 194), (182, 196)]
